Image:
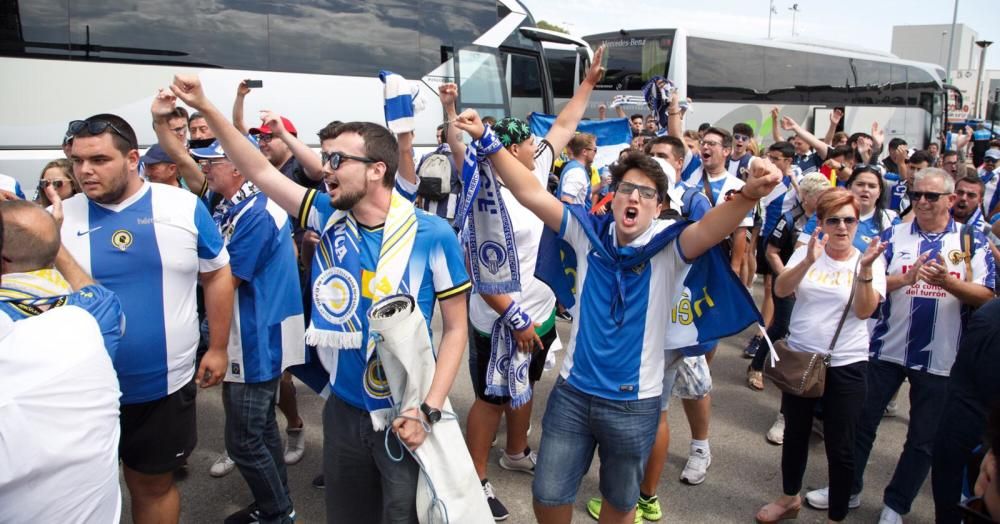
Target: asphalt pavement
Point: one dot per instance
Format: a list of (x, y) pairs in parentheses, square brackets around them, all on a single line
[(745, 471)]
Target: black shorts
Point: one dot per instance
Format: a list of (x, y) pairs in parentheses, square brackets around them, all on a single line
[(158, 436), (763, 266), (479, 360)]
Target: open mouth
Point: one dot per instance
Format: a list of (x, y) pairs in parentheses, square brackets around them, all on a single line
[(630, 216)]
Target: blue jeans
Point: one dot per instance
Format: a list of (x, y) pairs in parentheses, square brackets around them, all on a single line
[(928, 394), (254, 444), (364, 484), (576, 423)]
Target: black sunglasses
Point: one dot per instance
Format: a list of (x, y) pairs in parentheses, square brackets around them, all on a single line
[(336, 158), (931, 196), (96, 127), (626, 189), (836, 221), (42, 184)]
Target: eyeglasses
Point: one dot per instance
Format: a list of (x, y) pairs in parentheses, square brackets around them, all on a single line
[(836, 221), (741, 138), (180, 131), (206, 163), (96, 127), (336, 158), (264, 138), (626, 188), (710, 143), (931, 196), (42, 184)]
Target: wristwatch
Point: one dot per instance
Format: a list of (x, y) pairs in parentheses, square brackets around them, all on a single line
[(433, 414)]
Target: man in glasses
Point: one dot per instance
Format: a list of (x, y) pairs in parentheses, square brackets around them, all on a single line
[(150, 244), (364, 483), (738, 162), (936, 270)]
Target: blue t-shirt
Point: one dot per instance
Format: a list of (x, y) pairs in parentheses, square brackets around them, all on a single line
[(898, 201), (436, 272)]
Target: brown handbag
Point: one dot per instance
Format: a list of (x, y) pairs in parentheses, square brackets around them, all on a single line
[(801, 373)]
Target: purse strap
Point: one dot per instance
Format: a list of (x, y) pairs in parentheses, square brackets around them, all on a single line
[(847, 308)]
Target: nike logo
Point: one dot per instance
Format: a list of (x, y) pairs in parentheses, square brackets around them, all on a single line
[(87, 232)]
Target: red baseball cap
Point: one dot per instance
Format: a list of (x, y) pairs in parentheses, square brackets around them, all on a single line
[(264, 129)]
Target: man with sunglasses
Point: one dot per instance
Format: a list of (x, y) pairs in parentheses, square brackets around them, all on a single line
[(932, 280), (364, 482), (150, 244), (738, 162), (574, 183)]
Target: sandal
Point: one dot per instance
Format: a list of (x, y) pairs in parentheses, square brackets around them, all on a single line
[(755, 379), (775, 512)]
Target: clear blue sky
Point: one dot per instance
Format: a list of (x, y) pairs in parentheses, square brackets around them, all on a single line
[(865, 23)]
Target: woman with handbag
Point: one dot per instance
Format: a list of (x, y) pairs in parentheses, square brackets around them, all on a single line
[(824, 361)]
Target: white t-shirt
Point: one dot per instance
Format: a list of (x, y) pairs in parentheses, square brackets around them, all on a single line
[(58, 421), (819, 303), (535, 298), (575, 184)]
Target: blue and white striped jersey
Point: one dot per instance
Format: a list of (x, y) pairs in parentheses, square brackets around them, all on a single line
[(782, 199), (808, 162), (149, 250), (268, 328), (920, 325)]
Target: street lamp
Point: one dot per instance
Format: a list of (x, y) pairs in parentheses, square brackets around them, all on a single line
[(794, 9), (983, 44), (772, 12), (941, 49)]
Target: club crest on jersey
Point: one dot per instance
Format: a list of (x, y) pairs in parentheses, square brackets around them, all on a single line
[(492, 254), (956, 257), (336, 295), (376, 383), (122, 239)]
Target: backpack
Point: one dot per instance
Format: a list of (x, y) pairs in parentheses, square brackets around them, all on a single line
[(435, 172)]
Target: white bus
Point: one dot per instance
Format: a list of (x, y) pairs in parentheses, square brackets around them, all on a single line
[(63, 60), (732, 79)]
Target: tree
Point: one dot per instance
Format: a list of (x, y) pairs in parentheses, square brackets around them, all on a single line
[(542, 24)]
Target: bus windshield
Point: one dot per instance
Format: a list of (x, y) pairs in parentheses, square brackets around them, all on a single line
[(632, 59)]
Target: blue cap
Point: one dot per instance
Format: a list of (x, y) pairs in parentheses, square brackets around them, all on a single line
[(156, 155), (215, 150)]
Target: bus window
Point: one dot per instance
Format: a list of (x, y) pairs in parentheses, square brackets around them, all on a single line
[(524, 82), (786, 75), (871, 80), (632, 61), (724, 70), (480, 83), (897, 86), (829, 77)]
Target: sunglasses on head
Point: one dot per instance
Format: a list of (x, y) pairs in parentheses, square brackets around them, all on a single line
[(336, 158), (42, 184), (96, 127), (931, 196), (836, 221), (626, 189)]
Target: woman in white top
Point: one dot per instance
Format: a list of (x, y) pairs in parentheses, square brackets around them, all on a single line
[(821, 275)]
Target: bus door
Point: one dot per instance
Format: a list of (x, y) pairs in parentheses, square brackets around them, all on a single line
[(480, 75), (526, 81)]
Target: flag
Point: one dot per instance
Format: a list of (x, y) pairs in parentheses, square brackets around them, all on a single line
[(612, 135)]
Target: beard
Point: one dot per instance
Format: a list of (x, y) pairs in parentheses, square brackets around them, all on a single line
[(115, 189), (346, 201)]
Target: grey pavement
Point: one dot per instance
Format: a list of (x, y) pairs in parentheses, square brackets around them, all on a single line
[(745, 472)]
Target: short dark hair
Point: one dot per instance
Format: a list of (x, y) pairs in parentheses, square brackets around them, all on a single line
[(727, 139), (178, 112), (853, 139), (380, 146), (645, 163), (636, 115), (22, 247), (124, 142), (973, 180), (327, 132), (705, 126), (786, 149), (896, 142), (676, 144), (834, 152), (195, 116), (742, 129), (949, 152), (918, 157)]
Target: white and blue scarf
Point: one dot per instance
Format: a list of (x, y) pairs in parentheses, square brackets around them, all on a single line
[(402, 102), (337, 320)]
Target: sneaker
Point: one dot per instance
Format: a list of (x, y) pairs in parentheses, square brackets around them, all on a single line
[(319, 482), (222, 466), (594, 509), (818, 427), (496, 507), (649, 508), (525, 463), (251, 515), (697, 465), (820, 499), (890, 409), (295, 446), (776, 435), (752, 347), (889, 516)]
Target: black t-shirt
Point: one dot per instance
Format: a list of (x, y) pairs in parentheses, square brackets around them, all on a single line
[(786, 233)]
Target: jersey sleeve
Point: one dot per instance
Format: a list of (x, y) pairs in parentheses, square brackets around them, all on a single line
[(574, 183), (699, 206), (572, 231), (314, 210), (212, 254), (251, 243), (406, 188), (447, 263), (983, 264), (104, 306)]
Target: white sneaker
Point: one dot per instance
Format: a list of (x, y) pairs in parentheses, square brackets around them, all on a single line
[(776, 435), (525, 464), (696, 468), (295, 446), (820, 499), (889, 516), (222, 466), (890, 409)]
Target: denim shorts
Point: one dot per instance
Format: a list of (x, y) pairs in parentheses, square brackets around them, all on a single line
[(574, 425)]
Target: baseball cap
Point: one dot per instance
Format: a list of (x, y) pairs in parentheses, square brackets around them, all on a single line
[(993, 154), (266, 130), (156, 155)]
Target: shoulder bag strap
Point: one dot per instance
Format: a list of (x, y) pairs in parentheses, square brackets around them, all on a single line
[(847, 308), (708, 187)]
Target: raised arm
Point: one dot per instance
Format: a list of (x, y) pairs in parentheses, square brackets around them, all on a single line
[(407, 169), (241, 93), (243, 154), (187, 168), (723, 219), (835, 118), (311, 163), (453, 135), (791, 125), (775, 134), (675, 117), (564, 127), (518, 179)]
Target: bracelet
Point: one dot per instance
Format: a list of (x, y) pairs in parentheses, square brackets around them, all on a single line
[(516, 318), (866, 280), (674, 113)]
